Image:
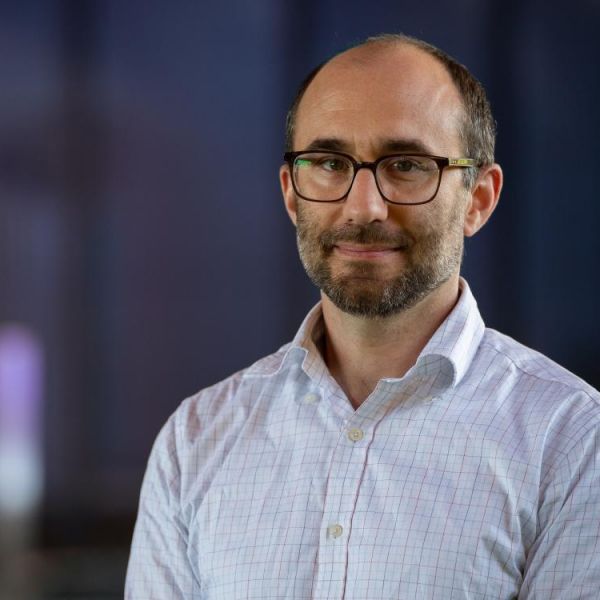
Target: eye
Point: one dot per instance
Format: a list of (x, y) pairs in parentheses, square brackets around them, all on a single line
[(332, 163), (407, 167), (405, 164)]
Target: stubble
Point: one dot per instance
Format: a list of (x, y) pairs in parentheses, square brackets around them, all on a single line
[(431, 257)]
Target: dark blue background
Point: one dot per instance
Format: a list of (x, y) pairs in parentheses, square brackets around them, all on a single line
[(142, 233)]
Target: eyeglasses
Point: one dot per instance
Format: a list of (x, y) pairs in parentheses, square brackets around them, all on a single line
[(400, 178)]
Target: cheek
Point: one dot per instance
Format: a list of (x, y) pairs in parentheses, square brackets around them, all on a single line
[(448, 215), (312, 218), (436, 227), (416, 221), (307, 231)]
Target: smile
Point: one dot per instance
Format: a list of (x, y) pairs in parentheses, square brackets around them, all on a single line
[(365, 252)]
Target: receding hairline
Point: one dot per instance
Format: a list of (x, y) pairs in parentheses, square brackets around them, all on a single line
[(371, 48), (364, 54)]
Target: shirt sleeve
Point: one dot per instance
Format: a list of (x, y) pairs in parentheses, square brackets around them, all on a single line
[(159, 567), (564, 562)]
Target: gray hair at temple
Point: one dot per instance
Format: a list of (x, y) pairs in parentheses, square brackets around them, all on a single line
[(478, 130)]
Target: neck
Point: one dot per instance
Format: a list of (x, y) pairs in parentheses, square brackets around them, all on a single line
[(360, 351)]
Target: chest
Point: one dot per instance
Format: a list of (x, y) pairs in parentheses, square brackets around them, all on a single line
[(324, 507)]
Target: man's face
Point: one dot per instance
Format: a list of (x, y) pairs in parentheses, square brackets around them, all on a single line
[(369, 257)]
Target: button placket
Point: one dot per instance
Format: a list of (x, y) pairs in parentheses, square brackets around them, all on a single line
[(348, 464)]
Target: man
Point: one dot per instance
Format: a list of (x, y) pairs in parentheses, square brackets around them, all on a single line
[(396, 448)]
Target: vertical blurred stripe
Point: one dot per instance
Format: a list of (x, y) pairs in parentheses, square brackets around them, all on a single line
[(21, 386)]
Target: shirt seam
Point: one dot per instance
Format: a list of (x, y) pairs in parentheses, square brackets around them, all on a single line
[(570, 386)]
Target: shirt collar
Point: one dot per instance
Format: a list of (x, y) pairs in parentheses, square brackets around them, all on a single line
[(456, 340), (450, 349)]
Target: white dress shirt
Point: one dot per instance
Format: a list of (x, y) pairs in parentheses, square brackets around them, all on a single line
[(476, 475)]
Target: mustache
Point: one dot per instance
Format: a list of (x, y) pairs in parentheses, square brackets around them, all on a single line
[(370, 233)]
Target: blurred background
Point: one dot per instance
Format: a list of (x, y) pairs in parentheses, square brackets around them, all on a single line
[(145, 252)]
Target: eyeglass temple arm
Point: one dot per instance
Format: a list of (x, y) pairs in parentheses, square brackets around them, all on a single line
[(461, 162)]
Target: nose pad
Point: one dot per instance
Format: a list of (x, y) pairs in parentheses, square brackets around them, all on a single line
[(364, 203)]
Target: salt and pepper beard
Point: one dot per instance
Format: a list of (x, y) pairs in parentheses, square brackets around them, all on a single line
[(431, 259)]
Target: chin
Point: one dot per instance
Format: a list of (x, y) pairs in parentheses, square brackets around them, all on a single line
[(364, 298)]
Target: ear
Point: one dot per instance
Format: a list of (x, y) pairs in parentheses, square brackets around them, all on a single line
[(483, 198), (287, 189)]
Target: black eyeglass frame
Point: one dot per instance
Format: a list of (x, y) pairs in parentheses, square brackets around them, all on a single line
[(443, 162)]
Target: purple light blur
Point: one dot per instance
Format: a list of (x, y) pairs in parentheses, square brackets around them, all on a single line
[(21, 371)]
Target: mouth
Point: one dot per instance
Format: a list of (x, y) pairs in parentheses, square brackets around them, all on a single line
[(366, 251)]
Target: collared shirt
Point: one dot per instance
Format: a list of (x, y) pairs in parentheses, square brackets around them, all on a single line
[(474, 476)]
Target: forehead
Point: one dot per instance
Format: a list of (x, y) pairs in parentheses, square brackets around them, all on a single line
[(370, 95)]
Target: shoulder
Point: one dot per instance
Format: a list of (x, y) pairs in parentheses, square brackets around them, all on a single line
[(205, 429), (530, 410), (227, 398), (552, 408), (214, 415), (532, 367)]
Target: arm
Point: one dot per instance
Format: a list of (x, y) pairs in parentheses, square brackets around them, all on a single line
[(159, 568), (564, 561)]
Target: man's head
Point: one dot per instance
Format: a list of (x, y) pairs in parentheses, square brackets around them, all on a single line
[(391, 95)]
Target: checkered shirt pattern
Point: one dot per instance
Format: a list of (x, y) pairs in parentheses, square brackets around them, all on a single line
[(474, 476)]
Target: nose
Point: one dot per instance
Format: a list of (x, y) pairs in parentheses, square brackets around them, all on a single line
[(364, 204)]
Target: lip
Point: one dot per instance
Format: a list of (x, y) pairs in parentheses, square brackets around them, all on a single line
[(366, 252)]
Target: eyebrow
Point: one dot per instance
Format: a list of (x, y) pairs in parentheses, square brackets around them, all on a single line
[(334, 144), (388, 146), (405, 145)]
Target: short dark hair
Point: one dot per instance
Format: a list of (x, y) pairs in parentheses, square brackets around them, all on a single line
[(478, 130)]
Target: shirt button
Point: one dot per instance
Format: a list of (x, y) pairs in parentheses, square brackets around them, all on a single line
[(335, 531), (311, 398), (355, 435)]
